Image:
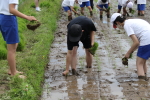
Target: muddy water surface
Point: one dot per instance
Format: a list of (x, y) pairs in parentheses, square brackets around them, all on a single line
[(108, 79)]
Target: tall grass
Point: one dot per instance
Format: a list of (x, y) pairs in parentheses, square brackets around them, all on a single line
[(34, 57)]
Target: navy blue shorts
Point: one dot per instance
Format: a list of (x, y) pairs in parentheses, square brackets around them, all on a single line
[(103, 5), (141, 7), (144, 52), (66, 8), (119, 7), (86, 43), (85, 4), (9, 28)]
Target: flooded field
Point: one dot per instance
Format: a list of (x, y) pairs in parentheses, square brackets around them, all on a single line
[(108, 79)]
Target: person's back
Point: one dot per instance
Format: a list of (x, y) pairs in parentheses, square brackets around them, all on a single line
[(86, 24), (140, 28)]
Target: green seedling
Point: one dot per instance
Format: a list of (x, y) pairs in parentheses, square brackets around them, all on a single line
[(132, 11), (75, 8), (32, 25), (93, 49), (125, 61), (130, 55), (106, 10)]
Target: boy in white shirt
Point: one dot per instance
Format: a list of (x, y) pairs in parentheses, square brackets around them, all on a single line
[(101, 4), (9, 30), (68, 7), (141, 7), (84, 3), (124, 4), (139, 31)]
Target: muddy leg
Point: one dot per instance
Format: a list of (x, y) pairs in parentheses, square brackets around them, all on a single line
[(82, 9), (140, 62), (89, 58), (69, 18)]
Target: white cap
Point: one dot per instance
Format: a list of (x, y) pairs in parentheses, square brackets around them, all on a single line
[(130, 5), (114, 16)]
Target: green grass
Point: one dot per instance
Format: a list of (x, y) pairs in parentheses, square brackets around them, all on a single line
[(34, 50)]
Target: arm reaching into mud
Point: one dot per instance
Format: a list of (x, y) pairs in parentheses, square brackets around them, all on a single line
[(19, 14), (74, 10), (133, 47)]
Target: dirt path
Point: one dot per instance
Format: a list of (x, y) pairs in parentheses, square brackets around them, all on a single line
[(108, 79)]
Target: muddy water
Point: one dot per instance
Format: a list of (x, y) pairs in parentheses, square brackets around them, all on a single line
[(108, 79)]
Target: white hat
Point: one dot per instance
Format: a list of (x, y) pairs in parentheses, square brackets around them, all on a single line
[(114, 16), (130, 5)]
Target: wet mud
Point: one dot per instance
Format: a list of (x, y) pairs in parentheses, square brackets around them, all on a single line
[(108, 79)]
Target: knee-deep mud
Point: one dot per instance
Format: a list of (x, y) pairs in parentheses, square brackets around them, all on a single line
[(108, 79)]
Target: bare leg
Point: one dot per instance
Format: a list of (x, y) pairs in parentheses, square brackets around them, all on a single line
[(141, 66), (119, 10), (11, 58), (70, 60), (74, 58), (89, 58), (37, 3), (145, 67), (82, 9), (101, 14), (69, 15)]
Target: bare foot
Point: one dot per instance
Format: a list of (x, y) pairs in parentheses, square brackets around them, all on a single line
[(65, 73), (17, 72), (22, 76)]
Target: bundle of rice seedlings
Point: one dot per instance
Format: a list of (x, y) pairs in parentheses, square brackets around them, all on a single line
[(32, 25), (93, 49), (132, 11), (125, 61)]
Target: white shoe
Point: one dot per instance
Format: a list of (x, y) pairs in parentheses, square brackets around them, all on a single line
[(37, 9)]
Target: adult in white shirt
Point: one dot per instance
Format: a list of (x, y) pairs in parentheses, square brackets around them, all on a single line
[(68, 7), (124, 4), (141, 7), (139, 31), (84, 3), (9, 30)]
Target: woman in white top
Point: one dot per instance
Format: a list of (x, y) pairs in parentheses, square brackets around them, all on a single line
[(139, 31), (9, 30), (68, 7)]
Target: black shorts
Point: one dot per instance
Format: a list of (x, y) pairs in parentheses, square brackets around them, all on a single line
[(86, 43)]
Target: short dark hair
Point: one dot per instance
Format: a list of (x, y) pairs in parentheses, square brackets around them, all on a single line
[(119, 19), (104, 1)]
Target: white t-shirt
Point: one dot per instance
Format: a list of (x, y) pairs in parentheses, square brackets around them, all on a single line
[(124, 2), (99, 2), (80, 1), (140, 28), (4, 6), (68, 3), (141, 1)]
